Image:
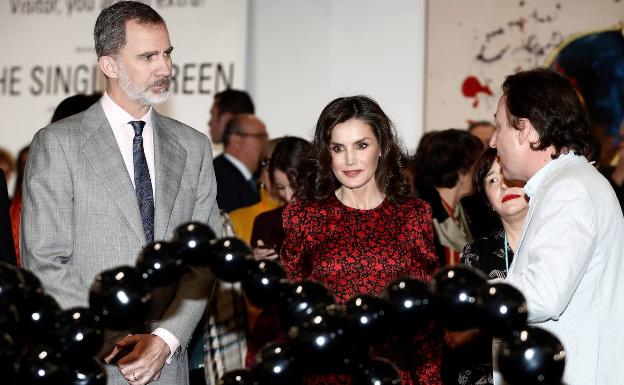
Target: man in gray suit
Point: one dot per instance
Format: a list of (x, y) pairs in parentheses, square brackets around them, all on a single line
[(101, 184)]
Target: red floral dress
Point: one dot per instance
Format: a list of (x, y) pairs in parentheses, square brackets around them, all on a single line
[(356, 251)]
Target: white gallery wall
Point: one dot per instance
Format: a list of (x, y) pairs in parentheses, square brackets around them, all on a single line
[(304, 53)]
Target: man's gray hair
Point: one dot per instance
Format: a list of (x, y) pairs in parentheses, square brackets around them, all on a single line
[(110, 27)]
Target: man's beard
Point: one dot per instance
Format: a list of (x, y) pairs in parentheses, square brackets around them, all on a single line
[(144, 96)]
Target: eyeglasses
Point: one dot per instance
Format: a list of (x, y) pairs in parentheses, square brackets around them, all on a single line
[(259, 135)]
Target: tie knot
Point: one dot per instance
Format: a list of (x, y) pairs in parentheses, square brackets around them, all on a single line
[(138, 126)]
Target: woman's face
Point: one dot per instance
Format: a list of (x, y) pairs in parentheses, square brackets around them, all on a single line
[(355, 154), (282, 185), (507, 198)]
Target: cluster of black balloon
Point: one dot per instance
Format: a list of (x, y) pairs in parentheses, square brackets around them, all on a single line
[(39, 342), (325, 337), (36, 336), (42, 344)]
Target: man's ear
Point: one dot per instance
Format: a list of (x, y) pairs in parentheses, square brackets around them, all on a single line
[(225, 117), (108, 65), (525, 131)]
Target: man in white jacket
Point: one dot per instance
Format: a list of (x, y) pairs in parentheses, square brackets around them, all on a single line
[(570, 259)]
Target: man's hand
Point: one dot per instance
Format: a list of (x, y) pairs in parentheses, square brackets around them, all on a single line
[(145, 360)]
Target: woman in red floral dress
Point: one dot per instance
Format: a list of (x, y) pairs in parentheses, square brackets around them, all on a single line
[(353, 227)]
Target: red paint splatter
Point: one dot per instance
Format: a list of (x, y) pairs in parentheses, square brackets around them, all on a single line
[(471, 87)]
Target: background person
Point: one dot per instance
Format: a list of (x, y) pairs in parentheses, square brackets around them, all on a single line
[(243, 140), (442, 168), (491, 254)]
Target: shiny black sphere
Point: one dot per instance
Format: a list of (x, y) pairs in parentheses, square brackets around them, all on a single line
[(298, 300), (377, 372), (77, 334), (262, 282), (37, 317), (9, 354), (455, 290), (42, 365), (238, 377), (87, 371), (119, 298), (410, 302), (532, 356), (503, 309), (159, 263), (277, 365), (31, 285), (10, 321), (228, 258), (193, 242), (324, 341), (11, 283), (369, 318)]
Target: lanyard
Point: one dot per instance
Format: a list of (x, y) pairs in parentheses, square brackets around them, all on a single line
[(506, 256)]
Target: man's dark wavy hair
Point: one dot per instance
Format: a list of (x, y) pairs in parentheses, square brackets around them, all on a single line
[(554, 108), (315, 179)]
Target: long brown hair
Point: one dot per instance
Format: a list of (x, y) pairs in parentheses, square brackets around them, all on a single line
[(316, 180)]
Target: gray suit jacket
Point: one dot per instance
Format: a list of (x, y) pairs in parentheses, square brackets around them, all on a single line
[(80, 216)]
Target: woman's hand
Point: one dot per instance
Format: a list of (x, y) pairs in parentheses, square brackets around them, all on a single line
[(261, 252)]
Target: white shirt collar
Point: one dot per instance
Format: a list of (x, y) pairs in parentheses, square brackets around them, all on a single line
[(532, 185), (117, 116), (118, 119), (239, 165)]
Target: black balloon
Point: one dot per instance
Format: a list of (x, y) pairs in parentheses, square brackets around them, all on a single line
[(42, 365), (37, 317), (377, 372), (9, 320), (503, 309), (193, 242), (87, 371), (300, 299), (160, 263), (77, 334), (11, 283), (262, 282), (410, 302), (277, 365), (228, 258), (324, 340), (31, 285), (238, 377), (9, 353), (532, 356), (119, 298), (455, 290), (369, 318)]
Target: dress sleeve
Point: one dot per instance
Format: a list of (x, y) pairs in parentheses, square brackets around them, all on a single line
[(294, 253), (425, 260)]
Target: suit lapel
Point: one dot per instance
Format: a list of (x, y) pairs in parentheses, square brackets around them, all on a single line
[(102, 152), (170, 161)]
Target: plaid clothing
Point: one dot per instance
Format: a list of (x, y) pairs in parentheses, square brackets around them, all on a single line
[(225, 334)]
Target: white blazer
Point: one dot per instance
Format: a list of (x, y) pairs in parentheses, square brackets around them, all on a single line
[(570, 267)]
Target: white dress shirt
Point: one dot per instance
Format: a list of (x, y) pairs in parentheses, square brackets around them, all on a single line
[(119, 120)]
